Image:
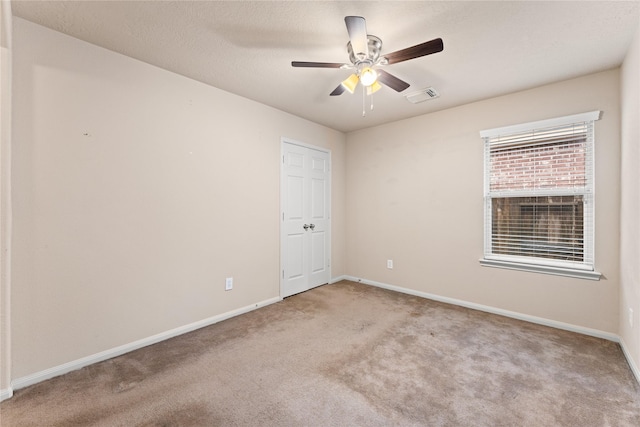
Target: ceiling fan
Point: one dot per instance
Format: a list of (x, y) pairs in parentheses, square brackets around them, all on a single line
[(364, 54)]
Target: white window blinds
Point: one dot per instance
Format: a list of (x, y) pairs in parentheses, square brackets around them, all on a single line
[(539, 192)]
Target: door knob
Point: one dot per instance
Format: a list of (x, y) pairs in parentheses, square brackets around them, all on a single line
[(312, 226), (306, 227)]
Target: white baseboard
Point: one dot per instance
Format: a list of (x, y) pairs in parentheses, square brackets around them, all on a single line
[(6, 394), (630, 361), (118, 351), (513, 314)]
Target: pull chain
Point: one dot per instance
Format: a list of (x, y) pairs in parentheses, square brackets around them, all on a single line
[(364, 93)]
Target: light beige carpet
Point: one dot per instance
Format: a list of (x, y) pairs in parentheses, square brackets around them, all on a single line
[(348, 355)]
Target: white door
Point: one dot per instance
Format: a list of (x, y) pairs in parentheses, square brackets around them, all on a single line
[(305, 218)]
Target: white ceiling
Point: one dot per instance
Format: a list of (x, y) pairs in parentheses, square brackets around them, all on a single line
[(490, 48)]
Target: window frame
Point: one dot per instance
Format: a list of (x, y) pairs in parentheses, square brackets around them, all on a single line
[(582, 270)]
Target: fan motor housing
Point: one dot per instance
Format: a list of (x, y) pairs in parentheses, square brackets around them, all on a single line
[(374, 45)]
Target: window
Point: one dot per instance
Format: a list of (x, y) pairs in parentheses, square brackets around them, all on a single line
[(538, 193)]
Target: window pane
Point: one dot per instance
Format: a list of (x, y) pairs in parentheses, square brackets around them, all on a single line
[(546, 227)]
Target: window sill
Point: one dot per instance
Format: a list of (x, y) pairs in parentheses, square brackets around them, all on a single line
[(544, 269)]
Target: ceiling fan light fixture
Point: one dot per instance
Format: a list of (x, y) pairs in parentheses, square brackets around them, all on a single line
[(368, 76), (350, 83), (365, 54)]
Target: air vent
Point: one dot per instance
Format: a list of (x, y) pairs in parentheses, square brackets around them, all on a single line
[(422, 95)]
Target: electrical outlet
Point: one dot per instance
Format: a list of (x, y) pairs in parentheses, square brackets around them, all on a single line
[(390, 264), (228, 284), (631, 317)]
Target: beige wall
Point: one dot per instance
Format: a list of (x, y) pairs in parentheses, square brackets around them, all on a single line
[(137, 191), (5, 197), (415, 195), (630, 206)]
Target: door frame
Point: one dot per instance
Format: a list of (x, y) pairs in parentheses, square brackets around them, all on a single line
[(283, 141)]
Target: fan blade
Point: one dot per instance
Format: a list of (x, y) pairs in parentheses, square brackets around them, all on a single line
[(392, 81), (422, 49), (337, 91), (357, 29), (316, 64)]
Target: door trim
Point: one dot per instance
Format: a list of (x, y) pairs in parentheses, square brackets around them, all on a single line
[(283, 141)]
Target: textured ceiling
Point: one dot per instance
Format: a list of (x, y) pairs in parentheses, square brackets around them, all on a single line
[(490, 48)]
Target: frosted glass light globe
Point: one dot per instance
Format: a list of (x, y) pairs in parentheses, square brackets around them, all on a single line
[(368, 77)]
